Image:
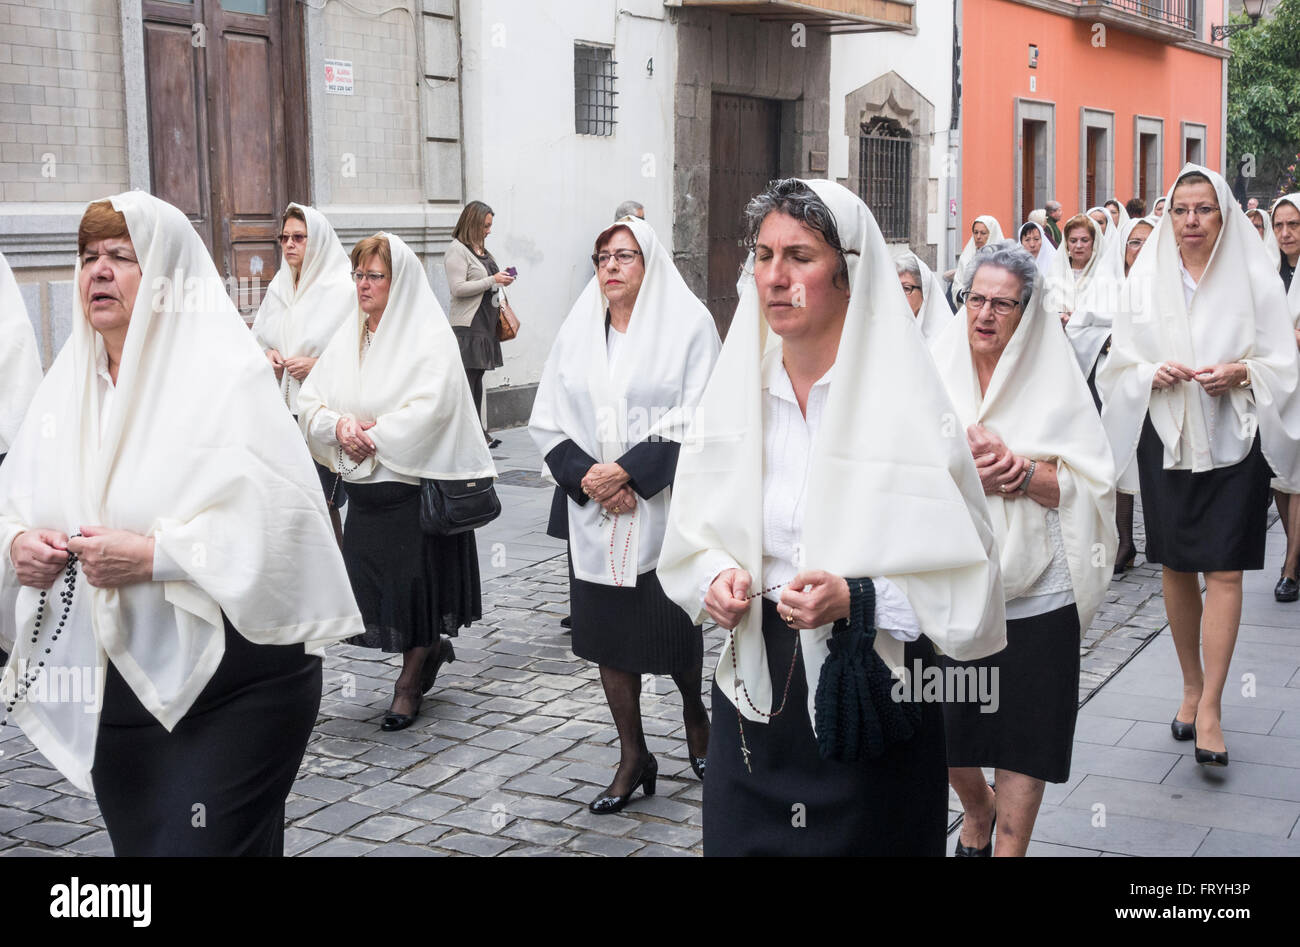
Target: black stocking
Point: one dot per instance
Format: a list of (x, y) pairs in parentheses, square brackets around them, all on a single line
[(623, 693)]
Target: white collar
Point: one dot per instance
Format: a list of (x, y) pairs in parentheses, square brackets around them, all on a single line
[(776, 380)]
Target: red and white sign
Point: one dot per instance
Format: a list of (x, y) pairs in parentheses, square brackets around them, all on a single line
[(338, 76)]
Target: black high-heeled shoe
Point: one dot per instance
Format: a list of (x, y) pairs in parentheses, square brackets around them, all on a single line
[(608, 802), (1183, 731), (1124, 559), (969, 851), (1211, 757), (433, 662), (395, 721)]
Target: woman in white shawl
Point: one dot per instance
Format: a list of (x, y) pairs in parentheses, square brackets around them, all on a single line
[(1107, 224), (1283, 246), (984, 229), (1119, 215), (1067, 277), (307, 301), (1034, 239), (627, 370), (825, 452), (1049, 480), (1262, 222), (386, 406), (925, 294), (206, 580), (20, 358), (1089, 331), (1199, 392)]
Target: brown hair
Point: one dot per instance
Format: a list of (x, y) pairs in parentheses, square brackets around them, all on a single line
[(373, 246), (1195, 177), (1077, 221), (608, 235), (470, 226), (100, 222), (293, 213)]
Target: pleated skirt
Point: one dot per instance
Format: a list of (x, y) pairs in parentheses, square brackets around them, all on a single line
[(1213, 521), (411, 588), (637, 629), (1035, 682), (796, 803), (216, 784)]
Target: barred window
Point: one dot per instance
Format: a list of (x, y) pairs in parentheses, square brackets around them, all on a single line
[(593, 89), (885, 175)]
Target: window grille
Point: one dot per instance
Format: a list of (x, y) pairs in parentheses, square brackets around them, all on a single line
[(593, 89), (885, 176)]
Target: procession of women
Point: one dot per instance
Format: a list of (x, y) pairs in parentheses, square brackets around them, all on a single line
[(883, 473)]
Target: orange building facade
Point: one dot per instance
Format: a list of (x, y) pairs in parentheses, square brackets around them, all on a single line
[(1115, 103)]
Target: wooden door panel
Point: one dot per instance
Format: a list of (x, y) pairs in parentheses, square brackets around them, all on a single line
[(177, 132), (253, 167)]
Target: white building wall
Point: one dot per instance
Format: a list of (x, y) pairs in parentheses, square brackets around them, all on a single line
[(924, 61), (551, 189)]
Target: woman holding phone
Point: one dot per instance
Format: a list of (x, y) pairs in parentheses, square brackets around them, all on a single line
[(476, 282)]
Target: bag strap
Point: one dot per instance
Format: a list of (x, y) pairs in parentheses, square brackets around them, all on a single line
[(862, 610)]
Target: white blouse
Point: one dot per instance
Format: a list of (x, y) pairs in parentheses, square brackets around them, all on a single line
[(787, 462), (1228, 443), (324, 429)]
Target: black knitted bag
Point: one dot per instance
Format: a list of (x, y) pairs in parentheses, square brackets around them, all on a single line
[(857, 715)]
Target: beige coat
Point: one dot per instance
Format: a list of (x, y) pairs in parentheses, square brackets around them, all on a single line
[(468, 279)]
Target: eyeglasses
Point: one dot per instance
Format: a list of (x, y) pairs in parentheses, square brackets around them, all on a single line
[(1136, 244), (624, 257), (1205, 210), (294, 238), (1001, 305), (359, 277), (908, 288)]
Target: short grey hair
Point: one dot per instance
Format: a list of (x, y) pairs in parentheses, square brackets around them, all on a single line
[(1009, 255), (907, 265), (1051, 206), (629, 209)]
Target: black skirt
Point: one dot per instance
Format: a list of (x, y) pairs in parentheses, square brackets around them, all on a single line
[(795, 802), (479, 346), (411, 588), (635, 629), (1035, 681), (216, 784), (1213, 521)]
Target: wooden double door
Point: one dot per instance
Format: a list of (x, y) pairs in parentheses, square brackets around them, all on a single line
[(228, 124)]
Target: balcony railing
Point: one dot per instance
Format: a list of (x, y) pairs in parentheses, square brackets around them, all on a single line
[(1179, 13)]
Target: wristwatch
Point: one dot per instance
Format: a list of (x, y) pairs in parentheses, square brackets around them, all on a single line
[(1024, 484)]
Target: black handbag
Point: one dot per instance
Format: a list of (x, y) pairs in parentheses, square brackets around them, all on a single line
[(450, 507), (858, 717)]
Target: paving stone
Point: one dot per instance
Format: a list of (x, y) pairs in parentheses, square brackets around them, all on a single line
[(508, 764), (301, 807), (539, 833), (402, 850), (11, 819), (338, 817), (298, 840), (384, 828), (672, 835), (341, 848), (96, 844), (605, 845), (1224, 843), (54, 834), (428, 806), (430, 774), (468, 844), (1177, 804), (471, 784), (320, 787), (386, 796)]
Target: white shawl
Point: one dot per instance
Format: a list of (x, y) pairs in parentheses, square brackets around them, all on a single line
[(1237, 314), (652, 389), (1104, 294), (965, 264), (1293, 294), (411, 384), (893, 491), (300, 320), (1108, 235), (935, 312), (1124, 217), (1046, 252), (1269, 240), (196, 452), (1040, 407), (20, 357)]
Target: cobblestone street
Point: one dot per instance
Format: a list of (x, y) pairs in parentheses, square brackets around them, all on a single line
[(515, 739)]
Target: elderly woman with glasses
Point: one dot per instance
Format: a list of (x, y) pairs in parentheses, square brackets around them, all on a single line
[(1047, 474), (925, 294), (625, 374)]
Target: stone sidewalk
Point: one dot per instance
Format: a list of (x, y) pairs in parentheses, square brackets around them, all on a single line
[(515, 739)]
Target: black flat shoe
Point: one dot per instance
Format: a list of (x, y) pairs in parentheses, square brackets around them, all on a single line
[(443, 654), (1211, 757), (494, 443), (966, 851), (1286, 590), (1183, 731), (567, 622), (1124, 559), (608, 802)]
